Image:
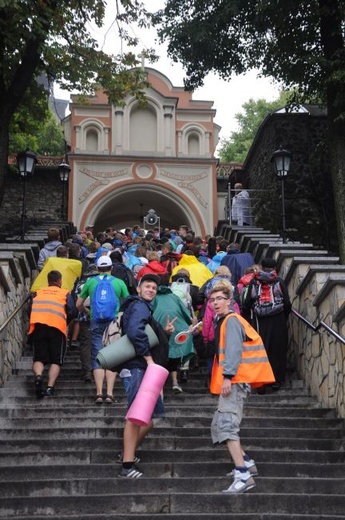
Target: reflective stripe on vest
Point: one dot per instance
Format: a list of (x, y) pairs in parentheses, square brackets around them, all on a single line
[(254, 367), (49, 308)]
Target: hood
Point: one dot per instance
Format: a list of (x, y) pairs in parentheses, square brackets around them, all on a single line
[(54, 244), (264, 277), (156, 267), (163, 289), (246, 279), (128, 301), (219, 255), (188, 260)]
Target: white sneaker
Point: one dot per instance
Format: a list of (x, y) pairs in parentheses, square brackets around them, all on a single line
[(251, 467), (176, 388), (242, 482)]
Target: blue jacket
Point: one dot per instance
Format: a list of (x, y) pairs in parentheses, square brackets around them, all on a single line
[(237, 263), (136, 315)]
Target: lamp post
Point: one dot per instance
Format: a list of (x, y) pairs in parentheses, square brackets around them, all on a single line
[(26, 162), (281, 160), (64, 171)]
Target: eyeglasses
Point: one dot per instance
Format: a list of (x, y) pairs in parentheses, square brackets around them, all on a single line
[(218, 299)]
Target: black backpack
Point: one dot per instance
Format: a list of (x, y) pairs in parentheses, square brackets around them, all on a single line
[(160, 353), (122, 272)]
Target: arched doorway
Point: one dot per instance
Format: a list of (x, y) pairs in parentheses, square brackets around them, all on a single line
[(125, 205)]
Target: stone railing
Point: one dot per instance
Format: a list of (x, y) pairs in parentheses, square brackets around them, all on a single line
[(17, 270), (316, 283)]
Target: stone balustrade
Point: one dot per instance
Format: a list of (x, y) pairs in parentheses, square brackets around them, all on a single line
[(18, 269)]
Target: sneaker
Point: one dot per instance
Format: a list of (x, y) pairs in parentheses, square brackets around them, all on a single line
[(251, 467), (50, 391), (74, 344), (130, 473), (39, 386), (119, 459), (242, 482), (176, 388)]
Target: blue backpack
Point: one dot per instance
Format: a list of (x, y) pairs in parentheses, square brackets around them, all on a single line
[(104, 301)]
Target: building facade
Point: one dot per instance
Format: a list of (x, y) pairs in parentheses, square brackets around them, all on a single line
[(130, 159)]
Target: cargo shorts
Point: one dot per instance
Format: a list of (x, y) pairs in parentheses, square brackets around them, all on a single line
[(228, 416)]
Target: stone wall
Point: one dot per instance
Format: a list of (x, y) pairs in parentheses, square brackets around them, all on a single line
[(316, 284), (17, 271), (309, 201), (43, 200)]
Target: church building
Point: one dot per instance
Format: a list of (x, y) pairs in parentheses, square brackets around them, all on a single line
[(128, 160)]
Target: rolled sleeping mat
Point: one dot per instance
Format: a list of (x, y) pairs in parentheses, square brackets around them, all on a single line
[(141, 410), (122, 350)]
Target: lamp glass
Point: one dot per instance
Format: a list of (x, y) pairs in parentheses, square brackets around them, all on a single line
[(64, 171), (26, 162), (281, 162)]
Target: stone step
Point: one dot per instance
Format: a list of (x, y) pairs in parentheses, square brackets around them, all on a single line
[(43, 453), (189, 516), (182, 503), (172, 443), (186, 425), (184, 412), (172, 470), (165, 483)]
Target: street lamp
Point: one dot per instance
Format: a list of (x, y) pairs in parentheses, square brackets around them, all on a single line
[(26, 162), (64, 171), (152, 219), (281, 160)]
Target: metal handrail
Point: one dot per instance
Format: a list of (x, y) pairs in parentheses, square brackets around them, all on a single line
[(317, 327), (4, 325)]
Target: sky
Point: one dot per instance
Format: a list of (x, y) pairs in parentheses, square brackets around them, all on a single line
[(228, 96)]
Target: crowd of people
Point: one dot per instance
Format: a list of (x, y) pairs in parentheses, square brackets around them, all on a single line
[(185, 282)]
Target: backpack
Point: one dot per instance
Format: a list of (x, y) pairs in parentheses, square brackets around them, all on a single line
[(181, 289), (268, 298), (113, 331), (104, 301), (160, 353), (125, 274)]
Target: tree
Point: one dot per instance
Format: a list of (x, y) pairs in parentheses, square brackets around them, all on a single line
[(298, 42), (236, 147), (51, 37)]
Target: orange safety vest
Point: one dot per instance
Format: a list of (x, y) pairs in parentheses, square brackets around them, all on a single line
[(254, 367), (49, 308)]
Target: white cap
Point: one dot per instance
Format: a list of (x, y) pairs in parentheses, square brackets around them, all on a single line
[(104, 261)]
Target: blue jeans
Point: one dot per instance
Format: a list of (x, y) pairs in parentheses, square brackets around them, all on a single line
[(132, 382), (96, 329)]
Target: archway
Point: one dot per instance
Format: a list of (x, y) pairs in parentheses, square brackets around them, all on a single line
[(124, 206)]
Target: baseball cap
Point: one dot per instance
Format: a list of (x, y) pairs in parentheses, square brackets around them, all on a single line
[(104, 261), (151, 277)]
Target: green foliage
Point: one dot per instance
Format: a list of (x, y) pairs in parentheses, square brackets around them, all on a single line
[(52, 37), (28, 120), (235, 149), (283, 39), (50, 138)]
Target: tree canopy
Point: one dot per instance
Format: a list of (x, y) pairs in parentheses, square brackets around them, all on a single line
[(236, 147), (300, 43), (53, 38)]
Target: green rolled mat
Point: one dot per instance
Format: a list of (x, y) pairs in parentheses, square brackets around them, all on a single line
[(122, 350)]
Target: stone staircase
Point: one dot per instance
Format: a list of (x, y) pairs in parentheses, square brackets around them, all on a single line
[(57, 455)]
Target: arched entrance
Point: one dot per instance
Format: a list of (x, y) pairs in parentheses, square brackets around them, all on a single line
[(125, 205)]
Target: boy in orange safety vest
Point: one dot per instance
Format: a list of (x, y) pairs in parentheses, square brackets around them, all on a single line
[(241, 361), (52, 307)]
